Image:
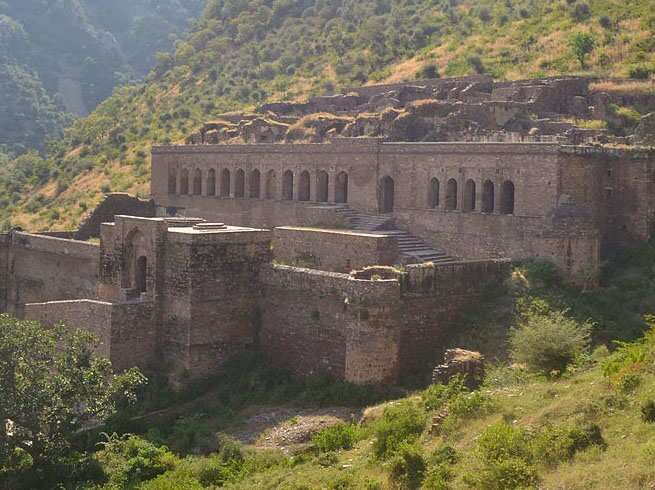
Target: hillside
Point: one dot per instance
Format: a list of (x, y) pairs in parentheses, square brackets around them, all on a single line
[(242, 53), (66, 57)]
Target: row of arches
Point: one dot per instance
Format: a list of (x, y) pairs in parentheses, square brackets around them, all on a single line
[(488, 202), (192, 184), (451, 202)]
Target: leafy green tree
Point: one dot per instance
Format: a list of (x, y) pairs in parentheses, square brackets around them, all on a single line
[(582, 44), (51, 388)]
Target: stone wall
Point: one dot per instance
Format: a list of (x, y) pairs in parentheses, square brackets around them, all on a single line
[(40, 268), (433, 301), (570, 203), (211, 293), (332, 250), (126, 333), (113, 204), (324, 323)]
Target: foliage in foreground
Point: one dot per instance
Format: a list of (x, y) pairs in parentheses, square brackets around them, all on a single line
[(51, 388)]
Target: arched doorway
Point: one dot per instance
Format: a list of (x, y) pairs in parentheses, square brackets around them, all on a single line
[(271, 184), (387, 190), (240, 183), (141, 274), (211, 182), (225, 183), (469, 195), (287, 185), (433, 194), (304, 190), (197, 182), (184, 182), (341, 188), (255, 184), (322, 183), (488, 197), (172, 181), (135, 274), (507, 197), (451, 195)]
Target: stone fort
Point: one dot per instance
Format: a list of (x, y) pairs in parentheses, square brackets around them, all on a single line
[(344, 236)]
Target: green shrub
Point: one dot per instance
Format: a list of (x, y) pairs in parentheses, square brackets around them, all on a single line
[(407, 467), (648, 411), (508, 474), (401, 423), (556, 444), (192, 435), (502, 441), (437, 395), (129, 460), (641, 72), (341, 436), (548, 343)]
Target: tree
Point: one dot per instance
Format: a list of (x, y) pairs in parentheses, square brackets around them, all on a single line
[(51, 387), (582, 44)]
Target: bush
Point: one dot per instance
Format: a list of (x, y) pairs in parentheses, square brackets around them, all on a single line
[(502, 441), (341, 436), (641, 72), (581, 12), (648, 411), (436, 396), (428, 71), (400, 423), (506, 460), (508, 474), (192, 435), (556, 444), (407, 468), (130, 460), (548, 343)]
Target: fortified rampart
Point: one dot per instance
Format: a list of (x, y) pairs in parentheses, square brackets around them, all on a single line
[(39, 268)]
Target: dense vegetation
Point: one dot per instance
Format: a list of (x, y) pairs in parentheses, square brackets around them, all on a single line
[(68, 56), (243, 52), (586, 421)]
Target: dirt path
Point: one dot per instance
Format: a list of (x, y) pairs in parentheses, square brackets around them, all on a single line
[(288, 428)]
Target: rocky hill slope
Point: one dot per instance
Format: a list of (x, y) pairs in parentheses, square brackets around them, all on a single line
[(243, 54), (66, 57)]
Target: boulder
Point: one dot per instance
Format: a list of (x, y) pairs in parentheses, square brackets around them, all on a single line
[(645, 132), (469, 364)]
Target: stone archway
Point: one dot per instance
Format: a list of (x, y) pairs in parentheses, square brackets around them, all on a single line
[(135, 273), (341, 188), (387, 195)]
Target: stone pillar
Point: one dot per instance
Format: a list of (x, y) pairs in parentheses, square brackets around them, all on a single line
[(332, 186)]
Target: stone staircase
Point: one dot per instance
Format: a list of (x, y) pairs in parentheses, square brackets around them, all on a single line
[(411, 248)]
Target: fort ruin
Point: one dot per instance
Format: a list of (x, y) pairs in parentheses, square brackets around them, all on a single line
[(358, 228)]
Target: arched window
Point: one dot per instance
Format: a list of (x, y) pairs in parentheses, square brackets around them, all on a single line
[(488, 197), (304, 186), (211, 182), (469, 195), (197, 182), (172, 181), (255, 183), (240, 183), (451, 195), (287, 185), (433, 193), (341, 188), (322, 183), (184, 182), (387, 196), (225, 183), (271, 184), (507, 197)]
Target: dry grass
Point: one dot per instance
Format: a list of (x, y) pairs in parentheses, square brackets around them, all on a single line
[(627, 87)]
